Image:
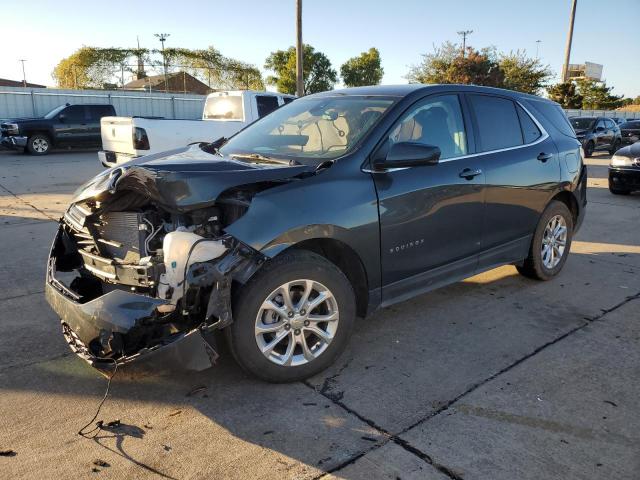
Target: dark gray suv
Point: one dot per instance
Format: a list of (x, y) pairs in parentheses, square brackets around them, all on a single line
[(329, 208)]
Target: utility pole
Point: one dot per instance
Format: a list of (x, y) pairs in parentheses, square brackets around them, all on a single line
[(299, 51), (24, 77), (567, 50), (162, 37), (464, 34), (538, 48)]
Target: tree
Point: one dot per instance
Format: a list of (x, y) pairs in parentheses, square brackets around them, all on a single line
[(317, 71), (447, 65), (90, 67), (596, 95), (565, 94), (362, 70), (214, 69), (522, 73)]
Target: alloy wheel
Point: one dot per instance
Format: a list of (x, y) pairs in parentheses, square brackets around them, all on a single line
[(40, 145), (554, 241), (296, 322)]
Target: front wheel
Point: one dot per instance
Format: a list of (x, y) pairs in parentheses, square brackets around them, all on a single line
[(588, 149), (550, 244), (38, 144), (293, 318), (615, 147)]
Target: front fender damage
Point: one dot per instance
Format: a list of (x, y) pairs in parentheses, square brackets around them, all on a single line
[(123, 327)]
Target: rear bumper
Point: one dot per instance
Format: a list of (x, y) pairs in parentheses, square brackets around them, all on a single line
[(111, 159), (88, 326), (624, 178), (14, 142)]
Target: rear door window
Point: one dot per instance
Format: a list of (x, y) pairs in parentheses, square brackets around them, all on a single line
[(266, 104), (497, 122), (530, 131)]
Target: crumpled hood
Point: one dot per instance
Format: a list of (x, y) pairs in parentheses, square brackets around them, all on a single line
[(183, 179)]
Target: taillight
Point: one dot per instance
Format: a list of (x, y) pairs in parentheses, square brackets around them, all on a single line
[(140, 139)]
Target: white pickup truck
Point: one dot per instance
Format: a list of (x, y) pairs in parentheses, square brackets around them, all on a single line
[(225, 113)]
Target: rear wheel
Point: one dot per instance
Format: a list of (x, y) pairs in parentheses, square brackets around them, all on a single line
[(550, 244), (615, 147), (38, 144), (293, 318), (589, 148)]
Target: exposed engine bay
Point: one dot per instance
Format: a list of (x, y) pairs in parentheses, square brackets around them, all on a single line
[(130, 273)]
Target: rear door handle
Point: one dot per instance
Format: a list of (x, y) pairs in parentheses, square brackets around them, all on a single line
[(543, 157), (469, 173)]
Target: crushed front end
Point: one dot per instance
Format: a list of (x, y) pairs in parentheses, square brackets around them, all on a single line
[(133, 281)]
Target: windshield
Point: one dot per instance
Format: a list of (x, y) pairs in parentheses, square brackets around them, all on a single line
[(54, 112), (321, 128), (224, 107), (582, 123)]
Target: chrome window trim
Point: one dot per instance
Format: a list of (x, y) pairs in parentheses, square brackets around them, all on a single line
[(544, 135)]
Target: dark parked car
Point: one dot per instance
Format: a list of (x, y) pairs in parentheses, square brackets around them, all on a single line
[(630, 132), (597, 133), (624, 170), (64, 126), (330, 207)]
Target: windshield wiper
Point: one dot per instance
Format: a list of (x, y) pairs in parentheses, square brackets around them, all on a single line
[(257, 157)]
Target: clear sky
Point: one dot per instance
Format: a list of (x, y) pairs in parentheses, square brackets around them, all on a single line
[(44, 31)]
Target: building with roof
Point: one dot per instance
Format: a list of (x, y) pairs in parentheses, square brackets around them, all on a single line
[(176, 82)]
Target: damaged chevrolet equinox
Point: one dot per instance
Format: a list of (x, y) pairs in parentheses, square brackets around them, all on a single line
[(328, 208)]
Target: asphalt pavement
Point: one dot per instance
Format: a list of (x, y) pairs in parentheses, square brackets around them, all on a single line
[(496, 377)]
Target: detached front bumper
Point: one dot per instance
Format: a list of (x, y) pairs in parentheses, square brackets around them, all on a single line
[(624, 178), (14, 142), (88, 325)]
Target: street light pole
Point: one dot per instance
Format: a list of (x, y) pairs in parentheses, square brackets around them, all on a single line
[(162, 37), (567, 50), (24, 77), (299, 51)]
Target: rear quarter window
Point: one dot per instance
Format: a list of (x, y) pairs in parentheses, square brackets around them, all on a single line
[(553, 113)]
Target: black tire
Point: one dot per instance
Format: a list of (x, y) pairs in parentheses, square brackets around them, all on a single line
[(617, 191), (615, 147), (288, 267), (39, 144), (533, 266), (589, 148)]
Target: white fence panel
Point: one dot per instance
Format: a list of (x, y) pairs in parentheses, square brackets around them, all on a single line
[(602, 113), (35, 102)]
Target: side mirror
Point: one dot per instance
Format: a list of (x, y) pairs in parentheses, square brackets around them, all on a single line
[(600, 129), (409, 154)]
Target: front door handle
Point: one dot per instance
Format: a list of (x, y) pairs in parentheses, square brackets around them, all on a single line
[(469, 173), (543, 157)]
